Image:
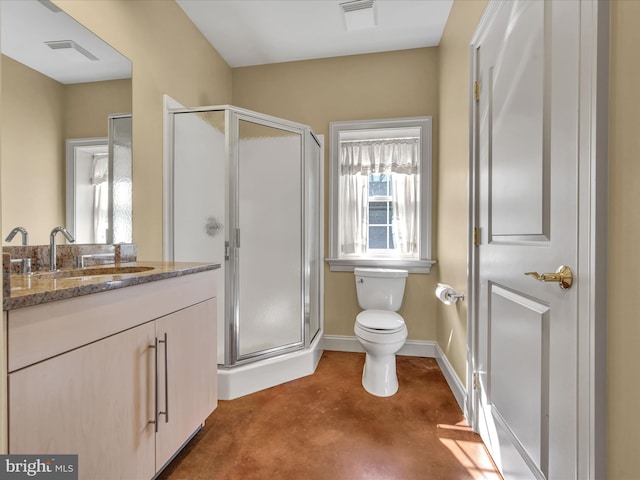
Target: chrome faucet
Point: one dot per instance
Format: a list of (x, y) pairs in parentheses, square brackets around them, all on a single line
[(23, 231), (25, 263), (52, 245)]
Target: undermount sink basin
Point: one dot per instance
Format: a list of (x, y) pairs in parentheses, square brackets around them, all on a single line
[(92, 272)]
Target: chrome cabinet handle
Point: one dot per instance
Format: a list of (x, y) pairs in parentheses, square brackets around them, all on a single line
[(563, 277), (166, 379), (155, 414)]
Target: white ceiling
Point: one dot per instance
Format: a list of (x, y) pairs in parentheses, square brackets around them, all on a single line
[(244, 32), (26, 24), (257, 32)]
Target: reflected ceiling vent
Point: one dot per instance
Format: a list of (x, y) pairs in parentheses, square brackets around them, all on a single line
[(71, 50), (359, 14)]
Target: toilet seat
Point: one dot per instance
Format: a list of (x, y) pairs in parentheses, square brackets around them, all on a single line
[(380, 327), (380, 321)]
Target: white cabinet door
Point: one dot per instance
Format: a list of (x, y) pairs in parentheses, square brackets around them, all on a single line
[(188, 389), (95, 401)]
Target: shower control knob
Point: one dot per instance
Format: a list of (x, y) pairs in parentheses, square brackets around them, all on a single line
[(212, 226)]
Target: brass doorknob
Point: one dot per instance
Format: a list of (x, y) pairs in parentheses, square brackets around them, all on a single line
[(563, 276)]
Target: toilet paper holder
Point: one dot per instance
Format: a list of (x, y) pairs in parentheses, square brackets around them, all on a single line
[(455, 296), (447, 294)]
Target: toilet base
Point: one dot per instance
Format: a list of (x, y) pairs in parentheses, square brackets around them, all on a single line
[(379, 375)]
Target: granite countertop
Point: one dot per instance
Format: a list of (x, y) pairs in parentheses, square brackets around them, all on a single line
[(43, 287)]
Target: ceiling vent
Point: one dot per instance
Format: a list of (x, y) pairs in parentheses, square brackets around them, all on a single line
[(359, 14), (71, 50)]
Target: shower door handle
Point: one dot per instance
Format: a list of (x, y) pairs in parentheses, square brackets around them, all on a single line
[(227, 245)]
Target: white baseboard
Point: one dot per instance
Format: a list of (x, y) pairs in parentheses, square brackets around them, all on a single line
[(411, 348), (456, 386), (341, 343)]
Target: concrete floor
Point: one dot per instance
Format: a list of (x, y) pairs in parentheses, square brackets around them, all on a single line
[(326, 426)]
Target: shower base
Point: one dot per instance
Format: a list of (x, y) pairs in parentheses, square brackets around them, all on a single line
[(252, 377)]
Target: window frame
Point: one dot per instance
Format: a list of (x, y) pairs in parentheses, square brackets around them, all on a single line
[(423, 263)]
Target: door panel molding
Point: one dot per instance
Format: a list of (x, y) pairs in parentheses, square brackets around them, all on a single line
[(519, 343), (522, 465), (517, 143)]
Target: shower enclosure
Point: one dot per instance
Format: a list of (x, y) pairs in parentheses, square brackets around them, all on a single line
[(245, 191)]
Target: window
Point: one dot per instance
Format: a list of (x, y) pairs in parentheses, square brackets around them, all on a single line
[(380, 210)]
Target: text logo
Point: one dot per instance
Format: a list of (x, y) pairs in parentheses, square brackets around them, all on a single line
[(49, 467)]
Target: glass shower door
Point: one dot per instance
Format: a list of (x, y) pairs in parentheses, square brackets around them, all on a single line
[(269, 239)]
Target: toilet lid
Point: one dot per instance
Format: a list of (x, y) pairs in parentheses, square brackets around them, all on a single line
[(380, 320)]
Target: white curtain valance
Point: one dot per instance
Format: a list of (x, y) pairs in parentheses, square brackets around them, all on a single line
[(379, 156)]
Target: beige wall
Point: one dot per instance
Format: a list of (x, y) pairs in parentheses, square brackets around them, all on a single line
[(453, 179), (316, 92), (169, 55), (32, 151), (87, 106), (624, 230)]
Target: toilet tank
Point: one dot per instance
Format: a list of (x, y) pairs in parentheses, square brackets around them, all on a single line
[(380, 288)]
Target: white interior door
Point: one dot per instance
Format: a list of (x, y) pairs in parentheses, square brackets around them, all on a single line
[(527, 130)]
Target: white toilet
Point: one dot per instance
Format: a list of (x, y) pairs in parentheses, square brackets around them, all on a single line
[(379, 329)]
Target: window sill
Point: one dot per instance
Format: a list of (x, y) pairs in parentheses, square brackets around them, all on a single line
[(348, 264)]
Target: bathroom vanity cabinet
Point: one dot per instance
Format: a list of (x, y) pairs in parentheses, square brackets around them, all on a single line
[(122, 378)]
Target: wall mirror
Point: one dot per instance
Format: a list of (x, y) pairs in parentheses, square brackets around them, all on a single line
[(61, 84)]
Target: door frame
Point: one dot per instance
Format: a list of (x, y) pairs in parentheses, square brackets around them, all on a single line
[(592, 178), (71, 145)]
